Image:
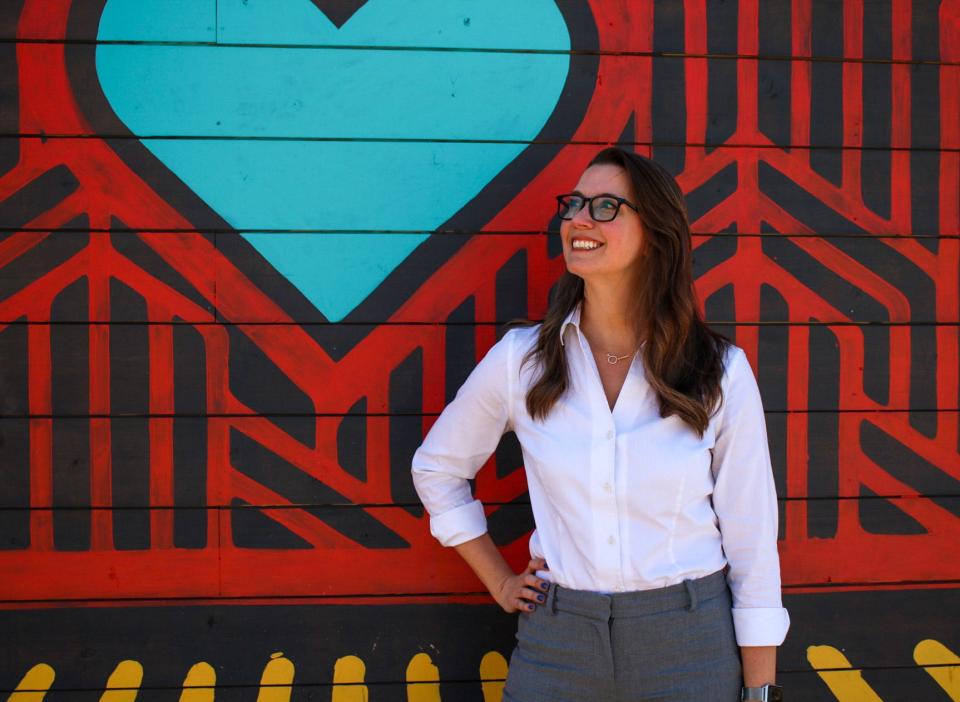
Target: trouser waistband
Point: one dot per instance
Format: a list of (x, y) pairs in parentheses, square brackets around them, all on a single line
[(637, 603)]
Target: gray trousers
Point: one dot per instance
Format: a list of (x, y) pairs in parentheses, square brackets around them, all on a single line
[(674, 643)]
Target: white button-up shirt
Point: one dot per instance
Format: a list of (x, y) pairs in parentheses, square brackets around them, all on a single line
[(624, 499)]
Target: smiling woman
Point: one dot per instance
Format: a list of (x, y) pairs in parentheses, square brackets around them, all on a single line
[(654, 571), (302, 122)]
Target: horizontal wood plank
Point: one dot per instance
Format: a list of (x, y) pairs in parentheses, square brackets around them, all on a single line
[(886, 636), (261, 185), (800, 368), (334, 552), (882, 452), (275, 94), (226, 277), (230, 21), (887, 683)]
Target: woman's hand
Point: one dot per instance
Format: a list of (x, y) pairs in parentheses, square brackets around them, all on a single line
[(513, 592), (523, 591)]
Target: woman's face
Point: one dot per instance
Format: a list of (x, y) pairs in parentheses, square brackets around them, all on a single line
[(620, 239)]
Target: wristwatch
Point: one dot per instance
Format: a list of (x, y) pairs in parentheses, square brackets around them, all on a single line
[(767, 693)]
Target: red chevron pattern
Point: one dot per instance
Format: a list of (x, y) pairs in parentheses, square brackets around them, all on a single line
[(828, 535)]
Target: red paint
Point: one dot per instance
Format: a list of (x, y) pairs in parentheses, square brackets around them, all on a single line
[(336, 566)]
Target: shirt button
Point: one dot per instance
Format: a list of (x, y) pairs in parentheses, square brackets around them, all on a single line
[(609, 434), (611, 540), (608, 487)]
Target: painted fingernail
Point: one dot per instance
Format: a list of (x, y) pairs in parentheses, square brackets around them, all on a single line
[(544, 586), (539, 598), (531, 607)]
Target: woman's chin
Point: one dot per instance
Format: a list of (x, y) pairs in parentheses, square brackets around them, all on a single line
[(577, 262), (584, 269)]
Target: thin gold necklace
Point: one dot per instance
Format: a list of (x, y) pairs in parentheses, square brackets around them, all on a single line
[(614, 359)]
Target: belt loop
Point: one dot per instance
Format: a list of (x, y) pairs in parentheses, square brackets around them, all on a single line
[(692, 594), (552, 597)]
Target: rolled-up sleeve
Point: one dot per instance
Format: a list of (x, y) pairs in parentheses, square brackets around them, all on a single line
[(458, 444), (745, 501)]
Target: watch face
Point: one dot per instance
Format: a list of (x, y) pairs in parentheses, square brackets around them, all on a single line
[(774, 693)]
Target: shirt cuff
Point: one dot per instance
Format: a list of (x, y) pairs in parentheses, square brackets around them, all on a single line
[(459, 524), (760, 626)]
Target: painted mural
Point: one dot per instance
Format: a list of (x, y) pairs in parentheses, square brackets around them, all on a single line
[(250, 248)]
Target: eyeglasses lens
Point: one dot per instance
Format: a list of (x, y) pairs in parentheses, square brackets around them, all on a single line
[(604, 209), (568, 206)]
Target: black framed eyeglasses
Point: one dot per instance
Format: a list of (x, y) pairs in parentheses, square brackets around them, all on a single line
[(603, 208)]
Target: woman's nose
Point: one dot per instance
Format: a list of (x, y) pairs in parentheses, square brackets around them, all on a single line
[(582, 217)]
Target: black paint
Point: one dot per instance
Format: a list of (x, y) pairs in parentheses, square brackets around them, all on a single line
[(718, 188), (9, 87), (460, 345), (823, 432), (774, 344), (56, 248), (875, 162), (70, 390), (882, 516), (259, 384), (406, 429), (14, 394), (826, 89), (130, 436), (14, 481), (510, 285), (668, 108), (509, 455), (339, 11), (132, 246), (876, 630), (802, 204), (711, 253), (190, 437), (908, 467), (352, 440), (315, 497), (719, 306), (253, 528), (36, 197)]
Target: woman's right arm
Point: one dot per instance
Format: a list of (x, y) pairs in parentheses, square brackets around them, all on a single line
[(512, 591), (458, 444)]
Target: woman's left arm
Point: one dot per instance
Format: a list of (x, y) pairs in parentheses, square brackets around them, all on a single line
[(745, 501), (759, 665)]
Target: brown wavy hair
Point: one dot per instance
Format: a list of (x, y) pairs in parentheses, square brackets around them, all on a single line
[(683, 357)]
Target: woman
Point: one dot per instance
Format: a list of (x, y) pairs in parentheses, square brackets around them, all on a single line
[(654, 571)]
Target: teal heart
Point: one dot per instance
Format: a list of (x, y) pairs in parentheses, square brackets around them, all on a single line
[(290, 91)]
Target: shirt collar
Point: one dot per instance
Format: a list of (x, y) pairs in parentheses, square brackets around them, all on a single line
[(572, 318)]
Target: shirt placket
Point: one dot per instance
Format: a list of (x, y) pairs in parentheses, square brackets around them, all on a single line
[(603, 465)]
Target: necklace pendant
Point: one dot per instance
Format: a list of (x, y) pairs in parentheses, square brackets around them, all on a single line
[(612, 359)]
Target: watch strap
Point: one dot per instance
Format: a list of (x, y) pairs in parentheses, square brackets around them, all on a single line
[(765, 693)]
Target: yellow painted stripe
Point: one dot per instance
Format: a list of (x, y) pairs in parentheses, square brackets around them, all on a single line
[(349, 674), (930, 652), (846, 685), (493, 671), (34, 684), (277, 679), (423, 680), (123, 683), (199, 684)]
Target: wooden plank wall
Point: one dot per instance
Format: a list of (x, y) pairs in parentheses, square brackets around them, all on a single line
[(249, 248)]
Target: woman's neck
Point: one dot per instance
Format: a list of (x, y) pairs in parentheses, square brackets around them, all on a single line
[(606, 319)]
